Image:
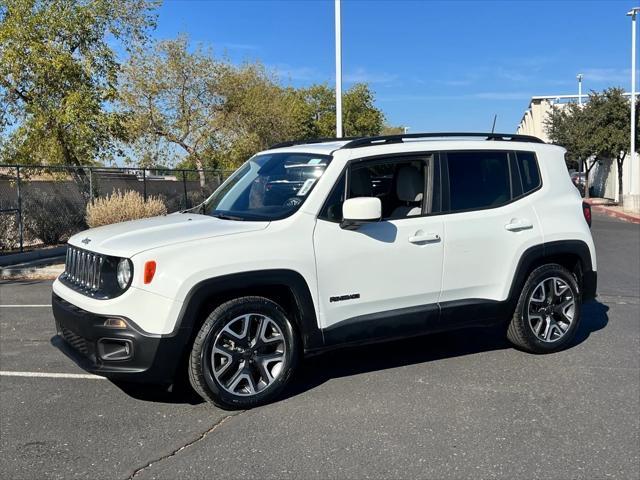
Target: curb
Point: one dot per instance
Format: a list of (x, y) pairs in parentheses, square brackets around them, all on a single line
[(627, 217), (37, 269), (601, 202), (18, 258)]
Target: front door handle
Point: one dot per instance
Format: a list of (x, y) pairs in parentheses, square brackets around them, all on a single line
[(421, 237), (518, 224)]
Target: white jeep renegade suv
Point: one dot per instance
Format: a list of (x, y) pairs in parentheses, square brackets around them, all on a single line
[(321, 244)]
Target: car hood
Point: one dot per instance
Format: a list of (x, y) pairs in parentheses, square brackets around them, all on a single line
[(129, 238)]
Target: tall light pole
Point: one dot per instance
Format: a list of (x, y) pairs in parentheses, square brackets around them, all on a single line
[(633, 168), (579, 77), (338, 72)]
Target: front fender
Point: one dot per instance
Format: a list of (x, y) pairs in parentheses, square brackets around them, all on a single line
[(201, 295)]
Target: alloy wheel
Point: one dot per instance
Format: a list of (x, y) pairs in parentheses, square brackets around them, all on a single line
[(248, 354), (551, 309)]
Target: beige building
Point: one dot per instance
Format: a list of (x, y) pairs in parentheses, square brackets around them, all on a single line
[(604, 176), (532, 122)]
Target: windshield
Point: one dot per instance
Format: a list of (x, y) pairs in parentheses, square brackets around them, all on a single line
[(267, 187)]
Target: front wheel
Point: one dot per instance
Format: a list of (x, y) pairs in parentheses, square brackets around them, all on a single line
[(244, 354), (548, 311)]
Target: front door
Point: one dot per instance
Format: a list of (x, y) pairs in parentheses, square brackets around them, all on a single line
[(383, 279)]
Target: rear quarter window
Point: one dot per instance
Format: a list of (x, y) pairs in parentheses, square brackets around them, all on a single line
[(529, 172)]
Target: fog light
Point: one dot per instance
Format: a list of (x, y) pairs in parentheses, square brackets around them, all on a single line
[(115, 349), (115, 323)]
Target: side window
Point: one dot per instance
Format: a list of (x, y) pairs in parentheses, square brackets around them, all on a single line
[(399, 183), (529, 173), (478, 180)]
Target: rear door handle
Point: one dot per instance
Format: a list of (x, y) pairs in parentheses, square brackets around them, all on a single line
[(516, 225), (421, 237)]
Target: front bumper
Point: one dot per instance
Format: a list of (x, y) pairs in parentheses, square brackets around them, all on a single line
[(143, 357)]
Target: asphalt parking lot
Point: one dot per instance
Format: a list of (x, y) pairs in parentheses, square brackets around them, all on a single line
[(456, 405)]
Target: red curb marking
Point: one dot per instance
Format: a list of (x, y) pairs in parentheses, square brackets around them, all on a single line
[(628, 217)]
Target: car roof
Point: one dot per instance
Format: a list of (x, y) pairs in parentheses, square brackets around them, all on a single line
[(328, 146)]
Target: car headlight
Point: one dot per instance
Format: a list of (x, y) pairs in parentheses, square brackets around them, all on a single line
[(123, 273)]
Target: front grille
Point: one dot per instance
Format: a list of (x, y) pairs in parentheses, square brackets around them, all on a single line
[(76, 341), (83, 269)]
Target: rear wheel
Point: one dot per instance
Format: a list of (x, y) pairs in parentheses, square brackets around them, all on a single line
[(548, 311), (244, 354)]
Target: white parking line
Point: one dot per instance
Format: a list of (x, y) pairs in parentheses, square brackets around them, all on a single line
[(50, 375), (30, 306)]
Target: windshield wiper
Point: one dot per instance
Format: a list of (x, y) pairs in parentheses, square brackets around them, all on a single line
[(196, 209), (226, 217)]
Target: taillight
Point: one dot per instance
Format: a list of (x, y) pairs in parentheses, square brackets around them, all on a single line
[(586, 211), (149, 271)]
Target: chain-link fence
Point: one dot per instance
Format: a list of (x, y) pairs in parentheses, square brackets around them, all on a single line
[(44, 205)]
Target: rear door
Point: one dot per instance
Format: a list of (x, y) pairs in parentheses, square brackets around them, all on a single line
[(489, 222)]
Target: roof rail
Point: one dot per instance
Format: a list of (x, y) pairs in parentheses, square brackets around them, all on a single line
[(291, 143), (386, 139)]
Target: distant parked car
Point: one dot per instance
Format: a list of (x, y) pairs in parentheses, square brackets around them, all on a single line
[(579, 180)]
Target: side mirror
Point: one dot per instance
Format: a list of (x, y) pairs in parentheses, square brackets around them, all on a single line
[(360, 210)]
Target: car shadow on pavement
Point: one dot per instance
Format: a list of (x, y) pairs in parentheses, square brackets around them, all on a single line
[(594, 318), (177, 394), (316, 370), (344, 362)]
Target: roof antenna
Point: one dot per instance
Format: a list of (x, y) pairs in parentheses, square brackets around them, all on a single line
[(495, 116)]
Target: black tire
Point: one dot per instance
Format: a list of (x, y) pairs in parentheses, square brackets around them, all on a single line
[(521, 332), (201, 373)]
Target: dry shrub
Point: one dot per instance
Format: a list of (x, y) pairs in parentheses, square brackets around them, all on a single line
[(9, 236), (49, 217), (120, 207)]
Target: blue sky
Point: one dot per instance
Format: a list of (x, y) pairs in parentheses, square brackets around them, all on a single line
[(434, 66)]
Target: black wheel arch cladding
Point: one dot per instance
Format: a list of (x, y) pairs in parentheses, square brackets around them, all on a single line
[(286, 288)]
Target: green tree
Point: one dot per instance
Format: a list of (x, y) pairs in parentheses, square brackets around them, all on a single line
[(569, 126), (390, 130), (208, 112), (360, 117), (321, 100), (58, 76), (170, 97), (610, 119), (257, 113), (182, 102)]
